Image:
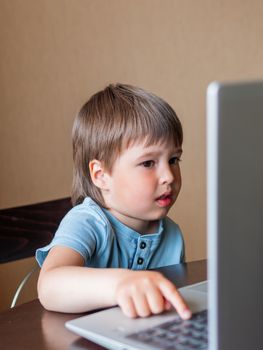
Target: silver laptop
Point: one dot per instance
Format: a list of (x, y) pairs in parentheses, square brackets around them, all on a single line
[(235, 243)]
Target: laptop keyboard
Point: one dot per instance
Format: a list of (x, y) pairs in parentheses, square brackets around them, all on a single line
[(177, 334)]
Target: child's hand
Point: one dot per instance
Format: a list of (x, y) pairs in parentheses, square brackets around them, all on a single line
[(142, 293)]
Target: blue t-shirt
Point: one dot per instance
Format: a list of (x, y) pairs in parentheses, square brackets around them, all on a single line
[(104, 241)]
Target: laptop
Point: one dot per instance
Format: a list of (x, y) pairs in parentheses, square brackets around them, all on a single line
[(235, 243)]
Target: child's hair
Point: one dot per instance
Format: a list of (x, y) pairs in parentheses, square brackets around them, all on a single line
[(111, 121)]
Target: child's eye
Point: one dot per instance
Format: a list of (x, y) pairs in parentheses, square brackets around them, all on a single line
[(148, 164), (174, 160)]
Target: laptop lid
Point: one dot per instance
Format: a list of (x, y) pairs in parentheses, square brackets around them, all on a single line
[(235, 215)]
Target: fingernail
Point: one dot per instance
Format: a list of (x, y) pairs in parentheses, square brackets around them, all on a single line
[(186, 314)]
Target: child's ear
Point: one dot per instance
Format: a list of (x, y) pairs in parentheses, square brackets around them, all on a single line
[(98, 174)]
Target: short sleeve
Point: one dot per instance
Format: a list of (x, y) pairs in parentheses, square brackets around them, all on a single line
[(182, 259), (79, 230)]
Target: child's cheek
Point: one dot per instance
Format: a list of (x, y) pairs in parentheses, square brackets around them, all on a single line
[(148, 183)]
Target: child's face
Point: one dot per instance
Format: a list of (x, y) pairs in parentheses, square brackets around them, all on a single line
[(143, 184)]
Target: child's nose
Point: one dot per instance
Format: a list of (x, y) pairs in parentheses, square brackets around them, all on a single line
[(167, 175)]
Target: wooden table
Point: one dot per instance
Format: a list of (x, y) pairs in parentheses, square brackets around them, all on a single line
[(30, 326)]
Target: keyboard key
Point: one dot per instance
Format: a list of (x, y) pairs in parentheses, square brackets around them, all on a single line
[(177, 334)]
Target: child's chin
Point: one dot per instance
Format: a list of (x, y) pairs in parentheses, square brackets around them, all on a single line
[(162, 214)]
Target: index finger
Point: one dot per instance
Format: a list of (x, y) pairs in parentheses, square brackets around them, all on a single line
[(170, 292)]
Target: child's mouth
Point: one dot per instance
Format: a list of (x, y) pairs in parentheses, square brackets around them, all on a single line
[(164, 200)]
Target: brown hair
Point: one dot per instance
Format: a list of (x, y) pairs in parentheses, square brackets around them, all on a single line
[(111, 121)]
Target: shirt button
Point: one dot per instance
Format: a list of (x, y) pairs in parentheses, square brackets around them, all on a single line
[(140, 261), (142, 245)]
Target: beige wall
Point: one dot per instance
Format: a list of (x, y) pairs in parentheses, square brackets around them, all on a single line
[(55, 53)]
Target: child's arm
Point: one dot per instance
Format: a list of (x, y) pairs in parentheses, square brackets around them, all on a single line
[(65, 286)]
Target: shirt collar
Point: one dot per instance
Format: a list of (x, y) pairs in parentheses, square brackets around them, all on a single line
[(127, 231)]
